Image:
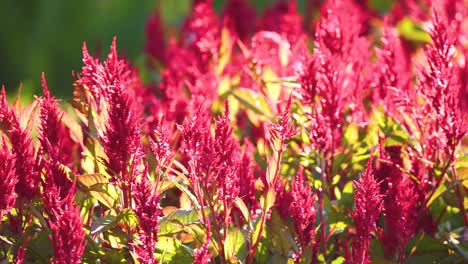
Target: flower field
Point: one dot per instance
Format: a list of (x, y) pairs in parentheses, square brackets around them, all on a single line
[(335, 135)]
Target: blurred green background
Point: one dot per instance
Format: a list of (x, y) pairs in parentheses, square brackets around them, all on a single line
[(47, 35)]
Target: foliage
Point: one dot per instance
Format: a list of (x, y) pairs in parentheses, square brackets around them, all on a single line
[(339, 136)]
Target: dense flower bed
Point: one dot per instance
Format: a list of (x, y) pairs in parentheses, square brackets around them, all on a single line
[(330, 138)]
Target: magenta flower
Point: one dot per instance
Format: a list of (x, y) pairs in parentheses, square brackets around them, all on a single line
[(202, 255), (68, 238), (155, 46), (369, 204), (302, 210), (147, 210), (21, 146), (240, 17), (52, 137), (227, 159), (8, 179)]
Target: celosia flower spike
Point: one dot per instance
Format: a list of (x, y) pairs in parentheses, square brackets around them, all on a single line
[(202, 255), (155, 46), (147, 210), (22, 149), (368, 207), (283, 130), (52, 134), (227, 161), (68, 239), (8, 179), (302, 210)]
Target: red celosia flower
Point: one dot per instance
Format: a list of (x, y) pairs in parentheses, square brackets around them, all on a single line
[(283, 130), (159, 145), (368, 207), (147, 210), (23, 150), (402, 202), (393, 81), (340, 25), (441, 89), (202, 255), (69, 237), (302, 210), (283, 199), (122, 139), (52, 136), (8, 179), (202, 33), (155, 45), (240, 17), (197, 144), (227, 159), (101, 78), (247, 176)]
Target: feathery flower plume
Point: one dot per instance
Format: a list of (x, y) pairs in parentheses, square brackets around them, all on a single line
[(22, 149), (402, 203), (240, 17), (102, 78), (147, 210), (8, 179), (155, 46), (202, 255), (394, 74), (284, 130), (440, 87), (122, 139), (52, 137), (68, 238), (302, 210), (368, 207), (247, 176), (227, 161), (197, 144)]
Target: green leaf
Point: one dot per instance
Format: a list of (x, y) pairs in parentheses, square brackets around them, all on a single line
[(189, 194), (89, 180), (243, 208), (254, 102), (438, 192), (100, 225), (176, 220), (270, 199), (338, 260), (410, 31), (105, 193), (171, 250), (235, 245)]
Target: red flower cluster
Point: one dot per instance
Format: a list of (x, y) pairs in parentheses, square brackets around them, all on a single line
[(249, 144)]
